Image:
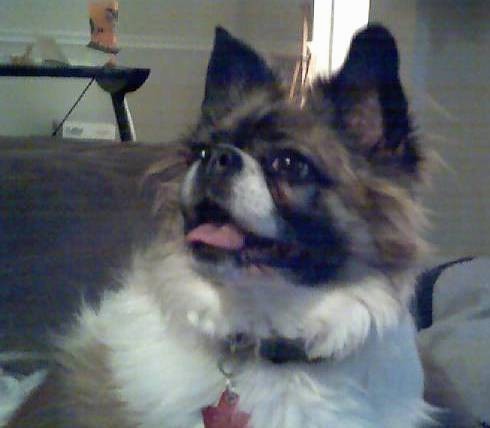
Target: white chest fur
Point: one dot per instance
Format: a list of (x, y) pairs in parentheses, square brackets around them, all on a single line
[(167, 377)]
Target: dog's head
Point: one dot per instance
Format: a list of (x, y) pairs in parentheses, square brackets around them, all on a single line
[(312, 193)]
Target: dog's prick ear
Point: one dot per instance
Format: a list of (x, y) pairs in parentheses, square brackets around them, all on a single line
[(366, 102), (234, 68)]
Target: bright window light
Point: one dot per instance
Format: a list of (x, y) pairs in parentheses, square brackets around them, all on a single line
[(334, 24)]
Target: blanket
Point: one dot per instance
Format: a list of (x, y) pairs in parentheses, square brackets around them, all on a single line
[(458, 338)]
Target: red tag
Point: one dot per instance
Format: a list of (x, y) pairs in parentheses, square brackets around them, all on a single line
[(226, 414)]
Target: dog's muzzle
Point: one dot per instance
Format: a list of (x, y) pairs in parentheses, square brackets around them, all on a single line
[(225, 197)]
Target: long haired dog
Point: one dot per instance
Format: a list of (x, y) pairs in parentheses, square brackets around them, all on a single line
[(283, 304)]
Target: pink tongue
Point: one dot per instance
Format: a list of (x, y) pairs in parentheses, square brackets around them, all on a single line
[(224, 236)]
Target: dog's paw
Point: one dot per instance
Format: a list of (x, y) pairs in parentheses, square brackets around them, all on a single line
[(338, 331)]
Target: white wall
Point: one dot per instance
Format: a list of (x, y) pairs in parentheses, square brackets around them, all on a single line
[(445, 57), (171, 37)]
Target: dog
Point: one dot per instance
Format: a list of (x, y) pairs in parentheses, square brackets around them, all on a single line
[(283, 300)]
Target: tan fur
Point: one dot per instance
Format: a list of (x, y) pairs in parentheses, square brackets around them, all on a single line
[(87, 382), (79, 395), (364, 121)]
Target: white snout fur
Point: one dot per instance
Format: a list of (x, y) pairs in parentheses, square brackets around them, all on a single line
[(250, 202)]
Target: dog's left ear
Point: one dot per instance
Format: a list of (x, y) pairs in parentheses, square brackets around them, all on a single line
[(365, 102), (234, 70)]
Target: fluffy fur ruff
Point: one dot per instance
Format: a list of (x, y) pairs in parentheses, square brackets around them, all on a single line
[(161, 369)]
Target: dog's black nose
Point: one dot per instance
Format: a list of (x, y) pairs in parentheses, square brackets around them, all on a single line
[(223, 161)]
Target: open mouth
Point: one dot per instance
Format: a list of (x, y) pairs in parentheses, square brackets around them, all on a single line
[(215, 235)]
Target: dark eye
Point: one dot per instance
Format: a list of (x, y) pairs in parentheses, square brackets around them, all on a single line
[(291, 166)]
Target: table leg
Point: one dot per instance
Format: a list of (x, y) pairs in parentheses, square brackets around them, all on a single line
[(123, 117)]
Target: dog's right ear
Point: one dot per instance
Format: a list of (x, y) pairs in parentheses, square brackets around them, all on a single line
[(234, 70), (364, 101)]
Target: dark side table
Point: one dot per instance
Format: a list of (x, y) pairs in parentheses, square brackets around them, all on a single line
[(117, 81)]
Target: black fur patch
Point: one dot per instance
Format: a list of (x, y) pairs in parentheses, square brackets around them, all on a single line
[(233, 70)]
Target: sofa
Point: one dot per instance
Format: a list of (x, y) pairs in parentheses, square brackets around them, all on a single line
[(71, 212)]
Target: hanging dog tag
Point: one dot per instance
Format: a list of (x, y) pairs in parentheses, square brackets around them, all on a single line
[(226, 414)]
